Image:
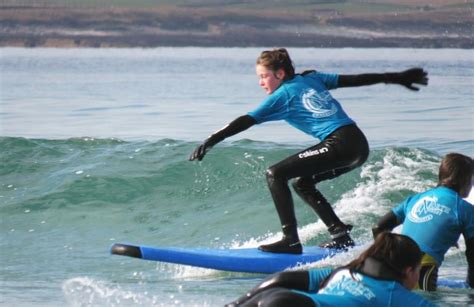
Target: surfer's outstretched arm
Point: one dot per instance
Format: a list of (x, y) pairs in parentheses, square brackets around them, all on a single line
[(236, 126), (386, 223), (406, 78)]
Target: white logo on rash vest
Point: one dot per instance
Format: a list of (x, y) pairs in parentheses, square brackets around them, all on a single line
[(343, 283), (310, 153), (320, 104), (425, 208)]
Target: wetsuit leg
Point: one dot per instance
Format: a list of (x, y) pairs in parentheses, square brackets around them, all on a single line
[(342, 151), (278, 184), (306, 190), (297, 280), (279, 297)]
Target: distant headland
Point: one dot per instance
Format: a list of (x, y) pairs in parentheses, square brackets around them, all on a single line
[(227, 23)]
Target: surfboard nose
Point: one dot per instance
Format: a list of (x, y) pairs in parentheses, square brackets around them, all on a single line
[(126, 250)]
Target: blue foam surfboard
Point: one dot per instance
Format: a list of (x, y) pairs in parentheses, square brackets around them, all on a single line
[(452, 283), (245, 260)]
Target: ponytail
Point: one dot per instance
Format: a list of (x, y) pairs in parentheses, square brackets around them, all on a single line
[(396, 251)]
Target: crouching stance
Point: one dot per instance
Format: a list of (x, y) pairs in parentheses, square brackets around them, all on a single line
[(303, 100)]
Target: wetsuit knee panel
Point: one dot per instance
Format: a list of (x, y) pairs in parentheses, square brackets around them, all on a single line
[(303, 185), (274, 174), (269, 174)]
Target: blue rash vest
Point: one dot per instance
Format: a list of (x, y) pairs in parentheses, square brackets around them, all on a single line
[(306, 104), (435, 219), (344, 289)]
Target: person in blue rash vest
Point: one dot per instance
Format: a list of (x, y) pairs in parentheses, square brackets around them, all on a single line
[(382, 275), (436, 218), (303, 100)]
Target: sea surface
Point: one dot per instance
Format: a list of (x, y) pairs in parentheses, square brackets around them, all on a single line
[(94, 147)]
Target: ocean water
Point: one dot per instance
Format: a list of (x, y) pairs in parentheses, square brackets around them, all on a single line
[(94, 146)]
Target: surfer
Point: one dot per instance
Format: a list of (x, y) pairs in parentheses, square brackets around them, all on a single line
[(437, 217), (303, 100), (382, 275)]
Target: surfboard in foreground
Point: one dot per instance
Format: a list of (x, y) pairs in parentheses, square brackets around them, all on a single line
[(245, 260)]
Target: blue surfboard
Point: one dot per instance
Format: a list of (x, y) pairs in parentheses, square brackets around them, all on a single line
[(452, 283), (246, 260)]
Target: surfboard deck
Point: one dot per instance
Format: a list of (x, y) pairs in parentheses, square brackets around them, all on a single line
[(246, 260)]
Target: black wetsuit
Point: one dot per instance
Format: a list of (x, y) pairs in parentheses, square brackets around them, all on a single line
[(340, 151)]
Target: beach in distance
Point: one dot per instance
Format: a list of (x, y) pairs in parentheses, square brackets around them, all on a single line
[(300, 23)]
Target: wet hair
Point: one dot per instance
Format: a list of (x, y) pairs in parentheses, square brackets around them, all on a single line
[(276, 59), (455, 172), (395, 251)]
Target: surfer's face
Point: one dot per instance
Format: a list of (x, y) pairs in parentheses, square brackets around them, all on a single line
[(268, 79)]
